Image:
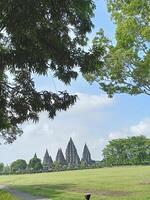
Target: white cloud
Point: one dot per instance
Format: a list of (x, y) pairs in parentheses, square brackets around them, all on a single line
[(88, 102), (116, 135), (141, 128)]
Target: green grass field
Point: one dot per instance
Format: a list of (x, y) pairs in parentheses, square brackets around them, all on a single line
[(6, 196), (120, 183)]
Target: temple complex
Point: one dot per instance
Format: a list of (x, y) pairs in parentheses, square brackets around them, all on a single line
[(70, 160)]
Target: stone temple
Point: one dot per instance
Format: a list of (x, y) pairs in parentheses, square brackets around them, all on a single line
[(47, 161), (60, 157), (72, 157), (86, 157)]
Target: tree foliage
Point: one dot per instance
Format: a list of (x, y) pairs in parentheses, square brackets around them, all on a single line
[(40, 38), (35, 164), (124, 67), (1, 167), (131, 151), (18, 165)]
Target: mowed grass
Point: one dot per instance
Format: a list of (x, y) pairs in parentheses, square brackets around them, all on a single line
[(120, 183), (6, 196)]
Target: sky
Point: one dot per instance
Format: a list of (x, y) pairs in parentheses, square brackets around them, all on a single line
[(94, 119)]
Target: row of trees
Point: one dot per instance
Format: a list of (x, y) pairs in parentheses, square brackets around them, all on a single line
[(35, 165), (21, 165), (130, 151)]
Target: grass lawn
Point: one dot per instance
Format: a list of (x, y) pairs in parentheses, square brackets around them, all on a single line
[(120, 183), (6, 196)]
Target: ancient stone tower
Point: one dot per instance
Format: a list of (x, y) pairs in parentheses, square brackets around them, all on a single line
[(72, 157), (47, 161), (86, 157), (60, 157)]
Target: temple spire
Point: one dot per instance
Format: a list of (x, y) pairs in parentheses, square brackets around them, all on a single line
[(60, 157), (35, 156), (72, 157), (47, 161), (86, 157)]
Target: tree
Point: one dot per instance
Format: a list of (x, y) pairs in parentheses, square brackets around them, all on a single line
[(125, 66), (39, 38), (57, 166), (7, 169), (131, 151), (35, 164), (1, 167), (18, 165)]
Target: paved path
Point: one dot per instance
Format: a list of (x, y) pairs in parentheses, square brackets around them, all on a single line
[(21, 195)]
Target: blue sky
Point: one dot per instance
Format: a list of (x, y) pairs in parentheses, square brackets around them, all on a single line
[(95, 119)]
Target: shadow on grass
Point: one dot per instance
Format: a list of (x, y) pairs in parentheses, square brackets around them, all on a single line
[(46, 190), (68, 191)]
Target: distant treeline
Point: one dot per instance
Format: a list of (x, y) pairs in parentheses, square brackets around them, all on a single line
[(35, 165), (130, 151)]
